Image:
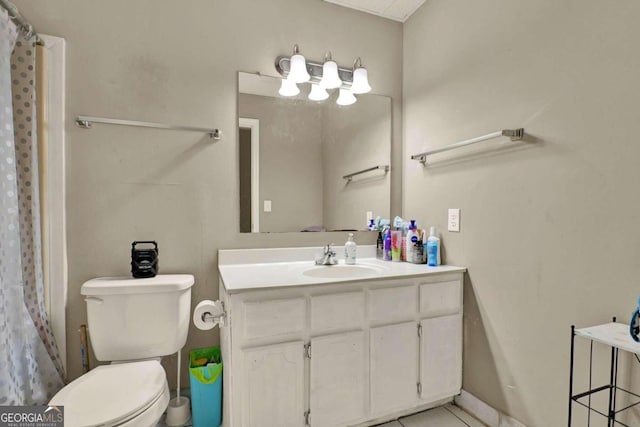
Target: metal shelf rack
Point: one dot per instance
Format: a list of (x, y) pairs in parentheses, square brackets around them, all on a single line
[(616, 336)]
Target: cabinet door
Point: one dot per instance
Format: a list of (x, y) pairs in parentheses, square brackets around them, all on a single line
[(394, 367), (273, 392), (441, 357), (338, 375)]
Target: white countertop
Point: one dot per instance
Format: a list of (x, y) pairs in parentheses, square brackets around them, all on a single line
[(253, 269)]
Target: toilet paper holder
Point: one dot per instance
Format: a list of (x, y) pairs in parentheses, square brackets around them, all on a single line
[(208, 317), (217, 316)]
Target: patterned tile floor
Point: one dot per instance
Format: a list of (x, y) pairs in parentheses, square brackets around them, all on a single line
[(443, 416)]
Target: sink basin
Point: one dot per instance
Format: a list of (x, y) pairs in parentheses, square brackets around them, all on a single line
[(341, 271)]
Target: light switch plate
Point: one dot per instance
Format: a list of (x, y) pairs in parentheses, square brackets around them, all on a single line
[(453, 223), (267, 205)]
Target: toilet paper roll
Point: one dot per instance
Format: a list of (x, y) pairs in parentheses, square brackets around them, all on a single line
[(207, 314)]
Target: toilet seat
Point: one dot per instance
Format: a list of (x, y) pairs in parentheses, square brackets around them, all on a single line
[(115, 395)]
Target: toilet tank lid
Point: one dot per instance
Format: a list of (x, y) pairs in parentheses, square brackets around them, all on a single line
[(128, 285)]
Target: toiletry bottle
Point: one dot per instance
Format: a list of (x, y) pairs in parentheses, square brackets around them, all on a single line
[(387, 245), (424, 246), (350, 251), (396, 245), (411, 239), (418, 252), (403, 243), (433, 248), (372, 225), (380, 246)]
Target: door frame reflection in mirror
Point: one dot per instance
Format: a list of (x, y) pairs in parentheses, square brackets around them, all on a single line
[(254, 126)]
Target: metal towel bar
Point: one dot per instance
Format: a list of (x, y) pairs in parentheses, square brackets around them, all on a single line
[(86, 121), (350, 176), (514, 134)]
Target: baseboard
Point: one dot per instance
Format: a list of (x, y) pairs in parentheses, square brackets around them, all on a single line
[(485, 413)]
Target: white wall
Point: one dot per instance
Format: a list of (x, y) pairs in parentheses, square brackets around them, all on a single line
[(550, 227), (177, 62)]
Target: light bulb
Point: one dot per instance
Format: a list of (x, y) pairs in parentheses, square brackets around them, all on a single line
[(346, 97), (318, 93), (360, 81), (288, 88), (330, 77), (298, 67)]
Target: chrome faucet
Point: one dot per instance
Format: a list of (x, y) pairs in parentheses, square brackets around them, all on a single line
[(329, 257)]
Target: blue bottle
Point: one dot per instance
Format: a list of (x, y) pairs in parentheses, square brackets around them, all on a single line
[(433, 248)]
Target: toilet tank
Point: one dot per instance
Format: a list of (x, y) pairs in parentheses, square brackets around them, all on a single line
[(131, 319)]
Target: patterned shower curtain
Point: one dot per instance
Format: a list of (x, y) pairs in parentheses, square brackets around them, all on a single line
[(31, 370)]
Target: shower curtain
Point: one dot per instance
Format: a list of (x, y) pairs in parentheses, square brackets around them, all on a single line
[(31, 370)]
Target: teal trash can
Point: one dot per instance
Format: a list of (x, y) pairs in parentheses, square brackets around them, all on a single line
[(205, 375)]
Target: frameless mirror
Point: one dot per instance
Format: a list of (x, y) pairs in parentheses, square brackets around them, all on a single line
[(296, 157)]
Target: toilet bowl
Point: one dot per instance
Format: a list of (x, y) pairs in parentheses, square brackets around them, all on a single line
[(126, 394), (132, 323)]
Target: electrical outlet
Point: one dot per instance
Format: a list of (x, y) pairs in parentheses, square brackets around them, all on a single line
[(369, 216), (267, 205), (453, 223)]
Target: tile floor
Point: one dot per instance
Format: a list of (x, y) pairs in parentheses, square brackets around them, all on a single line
[(443, 416)]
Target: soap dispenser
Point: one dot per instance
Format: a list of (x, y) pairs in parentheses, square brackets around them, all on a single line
[(350, 251)]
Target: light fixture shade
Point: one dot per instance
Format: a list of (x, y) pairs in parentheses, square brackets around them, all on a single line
[(298, 72), (346, 97), (360, 81), (288, 88), (318, 93), (330, 77)]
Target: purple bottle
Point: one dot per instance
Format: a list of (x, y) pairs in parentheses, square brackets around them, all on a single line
[(387, 246)]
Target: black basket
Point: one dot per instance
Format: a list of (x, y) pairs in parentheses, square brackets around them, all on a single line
[(144, 262)]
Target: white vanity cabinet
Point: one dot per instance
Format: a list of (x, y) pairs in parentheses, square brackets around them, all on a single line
[(273, 384), (341, 354)]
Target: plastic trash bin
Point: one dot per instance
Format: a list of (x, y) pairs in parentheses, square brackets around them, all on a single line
[(205, 375)]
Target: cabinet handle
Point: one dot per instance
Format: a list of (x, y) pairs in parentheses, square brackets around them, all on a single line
[(307, 350)]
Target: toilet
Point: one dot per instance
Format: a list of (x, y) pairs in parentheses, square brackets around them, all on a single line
[(132, 324)]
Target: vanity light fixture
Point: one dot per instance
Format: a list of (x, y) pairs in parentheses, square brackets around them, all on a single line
[(322, 75), (318, 93), (330, 77), (298, 72), (360, 78), (346, 97), (288, 88)]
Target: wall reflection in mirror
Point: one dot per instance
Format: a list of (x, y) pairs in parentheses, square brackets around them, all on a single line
[(294, 153)]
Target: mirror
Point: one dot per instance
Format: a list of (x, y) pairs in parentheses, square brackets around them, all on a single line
[(294, 154)]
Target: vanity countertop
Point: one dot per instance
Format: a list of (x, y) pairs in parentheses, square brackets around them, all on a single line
[(253, 269)]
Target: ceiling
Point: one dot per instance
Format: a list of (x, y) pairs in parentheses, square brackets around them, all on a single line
[(398, 10)]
